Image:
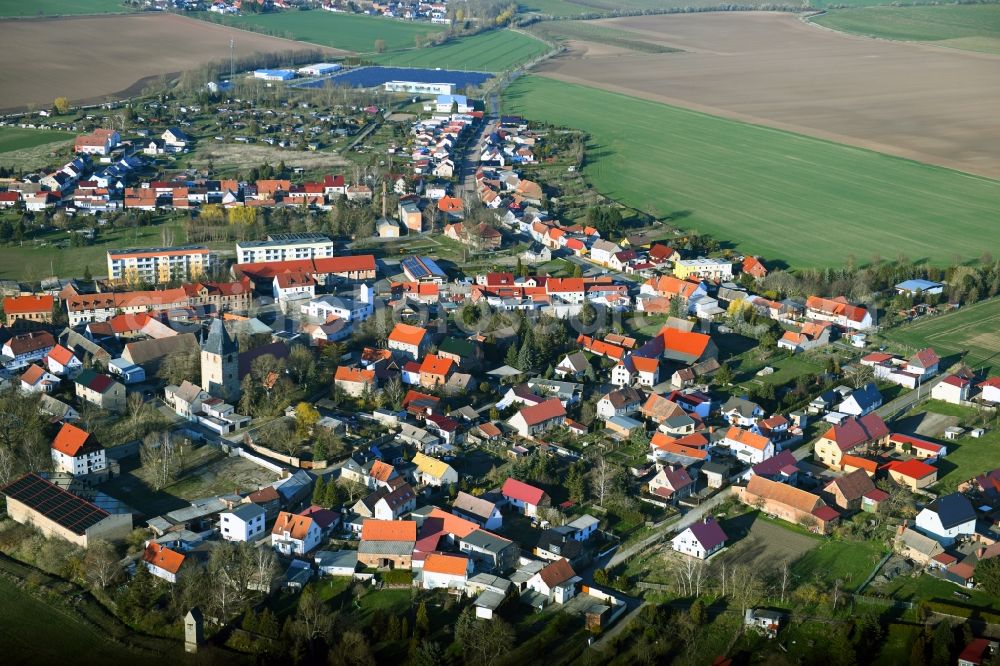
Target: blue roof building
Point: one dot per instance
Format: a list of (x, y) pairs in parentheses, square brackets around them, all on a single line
[(923, 286)]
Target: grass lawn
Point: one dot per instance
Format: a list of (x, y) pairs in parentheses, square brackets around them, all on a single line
[(970, 27), (9, 8), (928, 588), (16, 138), (493, 51), (974, 330), (759, 187), (968, 457), (350, 32), (36, 633), (897, 645), (849, 561), (50, 254), (786, 368)]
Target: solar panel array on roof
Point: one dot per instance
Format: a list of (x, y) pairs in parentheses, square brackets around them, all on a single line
[(63, 507), (421, 267)]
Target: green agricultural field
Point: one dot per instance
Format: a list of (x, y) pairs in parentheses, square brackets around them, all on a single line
[(790, 198), (493, 51), (350, 32), (570, 8), (974, 330), (36, 633), (15, 138), (969, 27), (10, 8)]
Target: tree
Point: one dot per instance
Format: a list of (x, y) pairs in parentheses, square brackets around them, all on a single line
[(181, 364), (162, 458), (483, 643), (301, 364), (352, 651), (306, 417), (61, 105), (988, 575), (604, 480), (724, 375), (313, 620), (422, 625), (860, 375), (380, 46), (101, 564), (394, 393)]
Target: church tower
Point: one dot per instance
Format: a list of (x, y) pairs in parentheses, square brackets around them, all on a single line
[(219, 364)]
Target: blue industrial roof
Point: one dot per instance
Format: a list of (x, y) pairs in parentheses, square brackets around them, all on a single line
[(913, 285)]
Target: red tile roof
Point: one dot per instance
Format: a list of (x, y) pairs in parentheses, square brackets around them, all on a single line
[(440, 563), (913, 469), (523, 492), (543, 411), (163, 557), (388, 530), (688, 343), (407, 334), (71, 440), (296, 526), (27, 304)]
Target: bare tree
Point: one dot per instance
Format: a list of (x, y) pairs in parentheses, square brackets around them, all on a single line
[(747, 587), (835, 594), (8, 463), (265, 568), (162, 459), (785, 580), (860, 375), (101, 564), (604, 480)]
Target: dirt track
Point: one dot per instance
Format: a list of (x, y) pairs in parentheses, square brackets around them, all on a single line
[(926, 103), (89, 59)]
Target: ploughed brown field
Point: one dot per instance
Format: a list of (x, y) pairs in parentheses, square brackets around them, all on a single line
[(922, 102), (89, 59)]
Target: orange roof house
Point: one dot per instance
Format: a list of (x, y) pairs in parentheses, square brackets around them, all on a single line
[(687, 346), (345, 374), (296, 525), (388, 530), (162, 558), (435, 370), (405, 337), (449, 565), (73, 441)]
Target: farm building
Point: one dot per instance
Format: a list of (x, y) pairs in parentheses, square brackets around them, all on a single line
[(319, 69), (274, 74), (419, 87)]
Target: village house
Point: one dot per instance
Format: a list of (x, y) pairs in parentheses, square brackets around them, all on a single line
[(789, 503), (23, 312), (447, 571), (741, 412), (701, 540), (947, 518), (747, 446), (620, 402), (26, 348), (479, 510), (61, 362), (77, 452), (525, 498), (535, 419), (853, 435), (100, 390), (387, 544), (36, 380), (412, 341), (163, 562), (914, 474), (861, 401), (671, 483), (848, 491), (433, 472), (556, 582), (839, 312), (952, 389), (243, 523), (294, 534), (354, 381)]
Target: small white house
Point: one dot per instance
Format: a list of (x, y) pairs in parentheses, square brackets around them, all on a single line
[(947, 518), (556, 581), (952, 389), (76, 452), (61, 361), (244, 523), (337, 562), (162, 562), (448, 571), (295, 535), (700, 540)]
